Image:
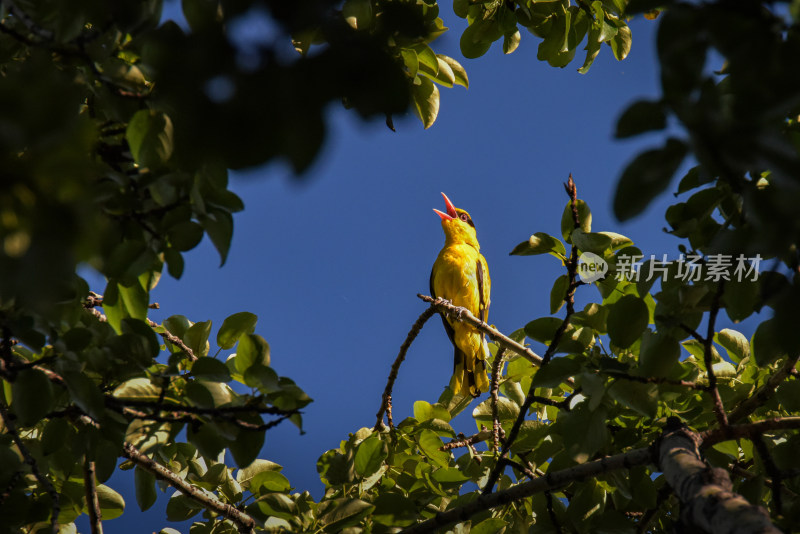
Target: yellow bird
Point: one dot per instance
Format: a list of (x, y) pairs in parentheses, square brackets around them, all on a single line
[(461, 275)]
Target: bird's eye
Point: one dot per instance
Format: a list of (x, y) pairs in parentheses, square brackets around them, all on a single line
[(464, 217)]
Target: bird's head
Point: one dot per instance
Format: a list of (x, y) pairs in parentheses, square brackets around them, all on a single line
[(457, 225)]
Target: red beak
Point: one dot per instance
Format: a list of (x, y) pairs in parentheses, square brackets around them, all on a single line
[(451, 210)]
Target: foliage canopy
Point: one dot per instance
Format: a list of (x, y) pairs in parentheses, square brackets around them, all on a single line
[(117, 135)]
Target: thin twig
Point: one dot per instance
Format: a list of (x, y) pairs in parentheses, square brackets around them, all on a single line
[(569, 298), (656, 380), (717, 435), (244, 522), (175, 340), (11, 430), (386, 400), (466, 441), (498, 364), (771, 469), (551, 511), (719, 408), (180, 408), (92, 500), (751, 404), (551, 481), (692, 332)]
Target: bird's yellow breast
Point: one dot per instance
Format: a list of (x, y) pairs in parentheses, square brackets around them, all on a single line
[(455, 276)]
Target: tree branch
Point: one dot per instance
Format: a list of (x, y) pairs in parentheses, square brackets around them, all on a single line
[(92, 500), (463, 315), (569, 298), (751, 404), (44, 482), (466, 441), (717, 435), (705, 492), (386, 400), (498, 364), (719, 409), (550, 481), (244, 523)]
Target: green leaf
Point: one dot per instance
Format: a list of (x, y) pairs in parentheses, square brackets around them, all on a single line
[(394, 510), (556, 372), (658, 354), (646, 176), (558, 293), (568, 222), (85, 394), (540, 243), (219, 227), (511, 42), (621, 43), (181, 508), (788, 395), (111, 503), (246, 474), (459, 74), (488, 526), (428, 62), (145, 488), (765, 345), (148, 341), (137, 389), (269, 481), (358, 13), (210, 369), (430, 443), (643, 398), (507, 410), (641, 116), (252, 350), (734, 343), (247, 445), (627, 319), (32, 396), (149, 135), (234, 327), (185, 235), (591, 242), (370, 456), (474, 43), (196, 338), (345, 514), (543, 329), (425, 99)]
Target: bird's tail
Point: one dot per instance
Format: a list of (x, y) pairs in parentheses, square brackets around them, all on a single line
[(469, 372)]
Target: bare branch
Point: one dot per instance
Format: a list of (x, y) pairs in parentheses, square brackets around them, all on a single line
[(466, 441), (551, 481), (92, 500), (498, 364), (463, 315), (386, 401), (244, 523), (717, 435), (44, 482)]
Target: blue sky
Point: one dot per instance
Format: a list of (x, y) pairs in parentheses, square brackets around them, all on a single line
[(331, 263)]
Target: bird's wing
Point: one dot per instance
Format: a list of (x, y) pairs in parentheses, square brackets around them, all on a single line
[(483, 305)]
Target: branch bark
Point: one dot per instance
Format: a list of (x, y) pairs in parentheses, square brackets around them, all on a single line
[(244, 523), (550, 481), (705, 493), (92, 500), (386, 399)]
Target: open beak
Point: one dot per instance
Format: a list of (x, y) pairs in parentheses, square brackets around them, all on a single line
[(451, 210)]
